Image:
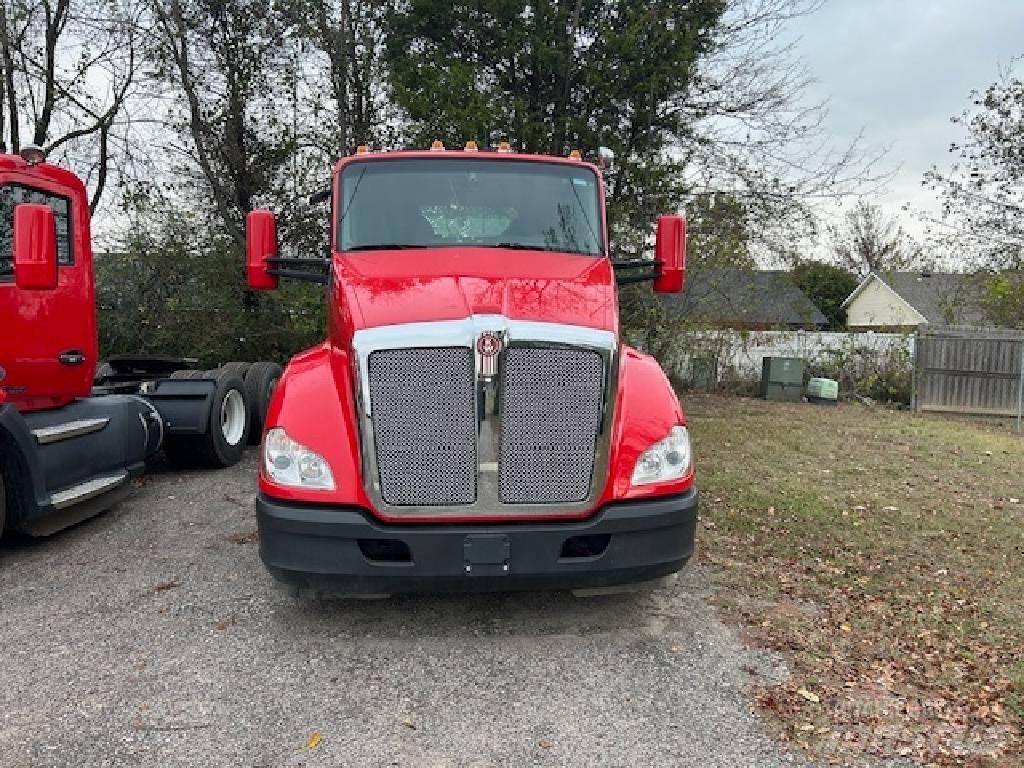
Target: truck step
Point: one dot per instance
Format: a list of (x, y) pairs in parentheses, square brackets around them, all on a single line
[(58, 432), (90, 489)]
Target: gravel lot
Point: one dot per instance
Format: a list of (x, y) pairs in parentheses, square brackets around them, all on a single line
[(152, 636)]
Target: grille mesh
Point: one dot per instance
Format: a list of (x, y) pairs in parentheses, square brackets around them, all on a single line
[(424, 424), (551, 414)]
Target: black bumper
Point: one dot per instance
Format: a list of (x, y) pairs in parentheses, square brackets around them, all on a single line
[(344, 550)]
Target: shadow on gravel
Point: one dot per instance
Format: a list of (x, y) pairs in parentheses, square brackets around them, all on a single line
[(490, 615)]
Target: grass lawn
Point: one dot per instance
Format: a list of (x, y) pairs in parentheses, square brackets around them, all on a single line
[(882, 553)]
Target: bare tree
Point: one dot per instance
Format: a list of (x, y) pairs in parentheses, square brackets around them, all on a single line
[(867, 241), (227, 74), (983, 192), (351, 36), (756, 135), (69, 67)]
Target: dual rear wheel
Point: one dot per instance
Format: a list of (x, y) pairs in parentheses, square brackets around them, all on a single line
[(241, 395)]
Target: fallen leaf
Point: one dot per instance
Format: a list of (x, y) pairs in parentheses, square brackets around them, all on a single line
[(163, 586), (808, 695), (313, 741), (546, 744), (845, 627), (806, 727), (408, 723)]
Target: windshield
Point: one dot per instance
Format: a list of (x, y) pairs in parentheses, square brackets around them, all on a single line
[(420, 203)]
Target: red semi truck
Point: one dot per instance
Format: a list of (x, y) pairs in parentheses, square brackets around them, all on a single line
[(70, 439), (474, 420)]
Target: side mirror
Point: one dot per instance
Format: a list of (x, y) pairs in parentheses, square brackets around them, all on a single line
[(670, 250), (35, 247), (260, 245)]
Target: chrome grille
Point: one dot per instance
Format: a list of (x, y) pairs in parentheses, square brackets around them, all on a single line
[(550, 418), (424, 425)]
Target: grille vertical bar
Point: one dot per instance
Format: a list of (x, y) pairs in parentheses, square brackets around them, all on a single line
[(550, 421), (423, 408)]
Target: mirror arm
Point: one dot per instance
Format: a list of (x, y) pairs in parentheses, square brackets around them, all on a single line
[(302, 277), (294, 269), (320, 197), (282, 261), (638, 278), (636, 263)]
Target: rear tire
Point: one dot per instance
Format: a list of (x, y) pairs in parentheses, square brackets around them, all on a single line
[(236, 367), (227, 430), (260, 382)]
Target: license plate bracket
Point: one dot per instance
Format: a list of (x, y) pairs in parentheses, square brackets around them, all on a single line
[(486, 554)]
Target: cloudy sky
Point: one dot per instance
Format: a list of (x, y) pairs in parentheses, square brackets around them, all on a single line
[(899, 69)]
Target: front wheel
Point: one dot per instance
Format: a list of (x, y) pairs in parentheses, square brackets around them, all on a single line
[(227, 432)]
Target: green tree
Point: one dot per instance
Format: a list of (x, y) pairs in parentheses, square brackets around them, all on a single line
[(554, 76), (1002, 300), (827, 286)]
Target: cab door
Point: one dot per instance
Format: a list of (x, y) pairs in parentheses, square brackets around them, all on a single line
[(47, 338)]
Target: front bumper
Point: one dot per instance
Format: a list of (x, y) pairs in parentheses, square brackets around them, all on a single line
[(344, 550)]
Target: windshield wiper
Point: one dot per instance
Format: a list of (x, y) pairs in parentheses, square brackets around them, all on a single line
[(519, 247), (524, 247), (385, 247)]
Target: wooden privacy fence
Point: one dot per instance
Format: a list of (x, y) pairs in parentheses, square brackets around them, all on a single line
[(976, 371)]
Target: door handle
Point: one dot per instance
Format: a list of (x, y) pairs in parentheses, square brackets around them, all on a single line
[(71, 357)]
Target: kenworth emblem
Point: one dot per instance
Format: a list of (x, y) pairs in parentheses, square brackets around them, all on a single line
[(488, 345)]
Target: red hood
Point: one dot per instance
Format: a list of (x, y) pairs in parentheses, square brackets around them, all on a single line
[(419, 285)]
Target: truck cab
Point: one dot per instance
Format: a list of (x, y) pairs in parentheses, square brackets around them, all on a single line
[(474, 420), (70, 442)]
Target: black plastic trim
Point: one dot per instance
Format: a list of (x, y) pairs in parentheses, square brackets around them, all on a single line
[(316, 547)]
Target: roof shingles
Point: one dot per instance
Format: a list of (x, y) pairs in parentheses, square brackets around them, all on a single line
[(746, 299)]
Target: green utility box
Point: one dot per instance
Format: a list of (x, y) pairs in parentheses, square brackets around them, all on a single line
[(782, 379), (823, 391)]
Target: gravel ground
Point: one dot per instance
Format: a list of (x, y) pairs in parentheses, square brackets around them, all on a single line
[(152, 636)]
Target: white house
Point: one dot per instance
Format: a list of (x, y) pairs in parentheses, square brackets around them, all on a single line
[(905, 300)]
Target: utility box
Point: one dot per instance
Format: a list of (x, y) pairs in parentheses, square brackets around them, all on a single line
[(782, 379), (704, 373), (823, 391)]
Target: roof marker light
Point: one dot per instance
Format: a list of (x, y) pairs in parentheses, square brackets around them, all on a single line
[(437, 146), (471, 146), (32, 154), (575, 155), (504, 147), (362, 149)]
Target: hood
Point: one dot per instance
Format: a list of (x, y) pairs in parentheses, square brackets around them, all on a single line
[(429, 284)]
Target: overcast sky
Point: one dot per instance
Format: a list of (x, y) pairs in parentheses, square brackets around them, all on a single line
[(899, 69)]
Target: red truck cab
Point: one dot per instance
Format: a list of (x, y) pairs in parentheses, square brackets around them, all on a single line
[(71, 441), (474, 420)]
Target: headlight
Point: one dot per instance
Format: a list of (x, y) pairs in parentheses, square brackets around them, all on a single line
[(668, 459), (288, 462)]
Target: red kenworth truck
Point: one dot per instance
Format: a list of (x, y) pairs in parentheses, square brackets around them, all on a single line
[(474, 420), (71, 436)]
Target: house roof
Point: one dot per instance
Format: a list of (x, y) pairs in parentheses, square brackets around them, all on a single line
[(746, 298), (943, 298)]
